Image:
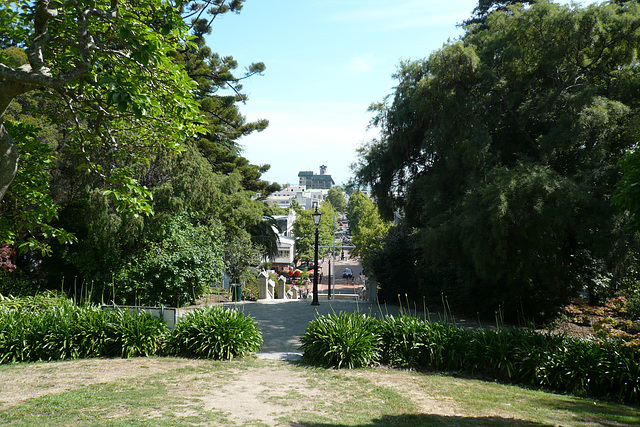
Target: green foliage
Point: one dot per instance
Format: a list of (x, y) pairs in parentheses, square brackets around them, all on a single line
[(135, 334), (126, 94), (627, 194), (128, 196), (49, 328), (217, 333), (52, 328), (367, 228), (304, 231), (250, 288), (169, 258), (505, 165), (520, 356), (408, 341), (335, 196), (344, 340), (395, 265), (633, 306), (34, 302), (265, 236), (240, 257), (182, 262), (485, 7), (132, 141), (27, 210)]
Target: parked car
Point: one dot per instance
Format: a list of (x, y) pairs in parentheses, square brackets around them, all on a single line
[(348, 274)]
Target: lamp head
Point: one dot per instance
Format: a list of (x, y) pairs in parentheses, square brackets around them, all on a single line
[(316, 216)]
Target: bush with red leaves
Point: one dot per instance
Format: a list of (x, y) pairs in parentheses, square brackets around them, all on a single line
[(6, 252)]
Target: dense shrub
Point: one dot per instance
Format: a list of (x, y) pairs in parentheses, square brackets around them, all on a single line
[(134, 334), (177, 268), (215, 333), (394, 266), (344, 340), (30, 331), (50, 327), (583, 367), (412, 342)]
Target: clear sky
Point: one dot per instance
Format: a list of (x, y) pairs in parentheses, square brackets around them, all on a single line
[(327, 61)]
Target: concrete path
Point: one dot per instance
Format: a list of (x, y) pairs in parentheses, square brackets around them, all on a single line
[(282, 322)]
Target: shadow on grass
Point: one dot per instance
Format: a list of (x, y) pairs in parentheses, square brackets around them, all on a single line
[(604, 414), (435, 420)]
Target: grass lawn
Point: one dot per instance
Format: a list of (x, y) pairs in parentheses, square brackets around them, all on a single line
[(256, 392)]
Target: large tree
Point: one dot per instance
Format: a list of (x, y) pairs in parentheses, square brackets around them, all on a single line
[(109, 63), (367, 227), (198, 184), (335, 196), (501, 148), (304, 231)]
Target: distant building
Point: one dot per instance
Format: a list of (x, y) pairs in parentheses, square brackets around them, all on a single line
[(284, 262), (312, 181), (285, 222), (288, 193), (305, 198)]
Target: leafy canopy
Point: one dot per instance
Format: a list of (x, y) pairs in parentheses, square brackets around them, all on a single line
[(304, 231), (110, 63), (367, 227), (502, 148)]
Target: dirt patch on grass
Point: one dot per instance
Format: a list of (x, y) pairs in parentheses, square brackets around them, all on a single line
[(264, 394), (29, 380), (275, 393)]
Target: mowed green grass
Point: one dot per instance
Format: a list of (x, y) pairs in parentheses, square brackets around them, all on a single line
[(256, 392)]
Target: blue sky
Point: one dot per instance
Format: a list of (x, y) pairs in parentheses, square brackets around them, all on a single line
[(327, 61)]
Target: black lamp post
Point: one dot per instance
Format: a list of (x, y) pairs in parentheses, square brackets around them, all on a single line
[(316, 220), (329, 279)]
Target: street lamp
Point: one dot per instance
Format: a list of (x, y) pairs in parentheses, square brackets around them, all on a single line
[(316, 220), (330, 255)]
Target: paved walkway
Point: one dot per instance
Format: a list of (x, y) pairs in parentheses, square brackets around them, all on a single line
[(282, 322)]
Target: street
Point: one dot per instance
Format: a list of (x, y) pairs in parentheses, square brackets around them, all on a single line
[(340, 285)]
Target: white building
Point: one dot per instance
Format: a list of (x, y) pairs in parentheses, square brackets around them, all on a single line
[(285, 222), (284, 262), (307, 198), (284, 197)]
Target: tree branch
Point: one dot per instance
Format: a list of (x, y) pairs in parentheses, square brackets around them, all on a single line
[(8, 160)]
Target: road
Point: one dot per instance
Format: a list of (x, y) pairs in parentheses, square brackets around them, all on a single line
[(341, 285)]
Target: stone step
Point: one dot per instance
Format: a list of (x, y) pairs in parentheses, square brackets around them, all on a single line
[(341, 297)]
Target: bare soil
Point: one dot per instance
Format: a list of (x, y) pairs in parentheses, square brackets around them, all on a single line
[(262, 392)]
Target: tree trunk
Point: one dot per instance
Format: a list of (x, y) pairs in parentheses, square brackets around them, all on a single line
[(8, 160), (8, 148)]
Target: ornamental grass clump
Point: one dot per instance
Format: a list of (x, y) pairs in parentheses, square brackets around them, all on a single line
[(217, 333), (133, 334), (587, 367), (405, 342), (584, 367), (409, 341), (32, 332), (344, 340)]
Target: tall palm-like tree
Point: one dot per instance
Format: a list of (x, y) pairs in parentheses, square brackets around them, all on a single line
[(264, 235)]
